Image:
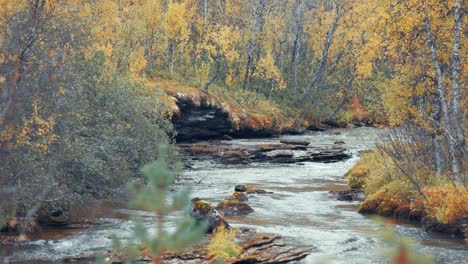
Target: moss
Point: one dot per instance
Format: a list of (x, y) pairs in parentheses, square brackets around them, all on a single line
[(203, 207)]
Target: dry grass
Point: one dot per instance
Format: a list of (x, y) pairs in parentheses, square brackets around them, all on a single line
[(223, 245)]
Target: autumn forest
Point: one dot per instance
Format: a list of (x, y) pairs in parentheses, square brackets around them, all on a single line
[(360, 101)]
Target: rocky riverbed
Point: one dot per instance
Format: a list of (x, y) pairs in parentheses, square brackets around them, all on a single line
[(297, 206)]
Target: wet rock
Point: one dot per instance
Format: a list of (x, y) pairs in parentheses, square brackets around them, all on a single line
[(267, 248), (330, 155), (256, 248), (216, 221), (267, 147), (349, 195), (339, 142), (295, 142), (258, 191), (203, 211), (234, 208), (237, 196), (240, 188), (231, 153), (250, 190), (227, 137)]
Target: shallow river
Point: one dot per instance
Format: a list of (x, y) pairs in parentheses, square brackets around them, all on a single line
[(301, 209)]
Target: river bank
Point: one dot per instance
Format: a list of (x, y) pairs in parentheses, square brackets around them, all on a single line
[(438, 206)]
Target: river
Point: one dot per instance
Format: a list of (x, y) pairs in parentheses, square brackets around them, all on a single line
[(301, 209)]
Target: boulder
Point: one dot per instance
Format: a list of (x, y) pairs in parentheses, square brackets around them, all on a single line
[(240, 188), (205, 212), (234, 208), (237, 196), (201, 209)]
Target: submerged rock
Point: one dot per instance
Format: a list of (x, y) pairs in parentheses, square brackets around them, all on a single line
[(250, 190), (349, 195)]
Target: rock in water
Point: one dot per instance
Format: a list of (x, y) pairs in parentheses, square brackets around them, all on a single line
[(295, 142), (240, 188), (349, 195), (237, 196), (250, 190), (205, 212), (234, 208)]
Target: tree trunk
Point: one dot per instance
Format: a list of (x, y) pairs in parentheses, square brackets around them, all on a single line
[(441, 93), (438, 156), (323, 61), (205, 12), (247, 72), (342, 101), (215, 74), (298, 20), (456, 112)]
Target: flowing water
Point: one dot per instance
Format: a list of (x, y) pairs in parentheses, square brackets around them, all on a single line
[(301, 209)]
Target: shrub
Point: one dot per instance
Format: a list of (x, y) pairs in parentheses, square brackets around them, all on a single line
[(222, 245), (446, 204), (103, 130), (390, 198)]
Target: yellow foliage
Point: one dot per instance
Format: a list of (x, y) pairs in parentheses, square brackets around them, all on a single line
[(36, 132), (222, 245), (358, 174), (267, 69), (176, 23), (446, 203)]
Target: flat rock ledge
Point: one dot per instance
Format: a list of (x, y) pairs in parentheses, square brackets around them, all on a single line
[(257, 248), (227, 152)]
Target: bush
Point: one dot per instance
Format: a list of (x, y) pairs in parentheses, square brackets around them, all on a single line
[(80, 144), (446, 204), (395, 186)]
